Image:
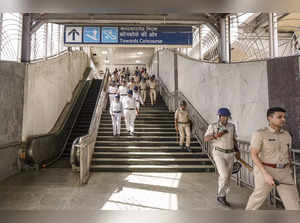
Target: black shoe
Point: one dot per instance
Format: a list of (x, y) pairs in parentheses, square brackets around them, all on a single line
[(182, 147), (223, 201), (189, 149)]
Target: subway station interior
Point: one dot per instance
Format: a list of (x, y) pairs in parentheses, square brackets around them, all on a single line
[(57, 148)]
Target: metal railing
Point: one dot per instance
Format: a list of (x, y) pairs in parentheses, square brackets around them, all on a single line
[(83, 147)]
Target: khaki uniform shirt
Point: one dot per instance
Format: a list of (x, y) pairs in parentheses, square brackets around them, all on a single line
[(274, 147), (182, 116), (143, 85), (227, 140), (152, 84)]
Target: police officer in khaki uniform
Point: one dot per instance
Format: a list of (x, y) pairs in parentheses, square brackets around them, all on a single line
[(182, 123), (152, 85), (143, 87), (223, 136), (270, 152)]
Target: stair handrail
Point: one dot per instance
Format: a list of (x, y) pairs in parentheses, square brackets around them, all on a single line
[(83, 147)]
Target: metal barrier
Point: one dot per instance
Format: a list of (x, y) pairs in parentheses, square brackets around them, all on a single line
[(83, 147)]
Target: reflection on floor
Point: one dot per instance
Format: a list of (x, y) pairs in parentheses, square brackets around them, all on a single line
[(57, 189)]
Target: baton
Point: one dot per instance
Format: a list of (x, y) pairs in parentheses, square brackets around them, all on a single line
[(243, 162)]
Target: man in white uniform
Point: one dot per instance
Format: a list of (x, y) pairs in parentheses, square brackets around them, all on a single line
[(116, 110), (123, 91), (138, 98), (112, 91), (130, 112)]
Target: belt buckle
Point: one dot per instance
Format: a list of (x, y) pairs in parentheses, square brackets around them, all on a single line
[(280, 166)]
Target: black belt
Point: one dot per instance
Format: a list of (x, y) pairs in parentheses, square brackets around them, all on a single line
[(129, 108), (143, 89), (183, 122), (112, 93), (117, 112), (123, 94), (224, 150)]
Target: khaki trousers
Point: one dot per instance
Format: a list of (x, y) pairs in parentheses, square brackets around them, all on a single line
[(144, 95), (184, 130), (153, 96), (287, 193), (224, 164)]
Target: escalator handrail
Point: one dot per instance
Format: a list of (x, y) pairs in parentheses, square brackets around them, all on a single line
[(57, 131)]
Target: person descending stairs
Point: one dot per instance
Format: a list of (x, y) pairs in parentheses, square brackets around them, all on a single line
[(153, 148)]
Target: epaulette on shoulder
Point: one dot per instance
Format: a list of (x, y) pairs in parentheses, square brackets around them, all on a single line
[(262, 129)]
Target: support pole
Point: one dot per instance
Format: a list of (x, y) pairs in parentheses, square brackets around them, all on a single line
[(200, 43), (225, 40), (273, 32), (46, 41), (26, 38), (1, 25)]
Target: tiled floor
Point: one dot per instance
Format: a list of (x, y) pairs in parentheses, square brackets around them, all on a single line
[(57, 189)]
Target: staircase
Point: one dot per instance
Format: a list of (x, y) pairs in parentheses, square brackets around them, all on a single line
[(153, 148)]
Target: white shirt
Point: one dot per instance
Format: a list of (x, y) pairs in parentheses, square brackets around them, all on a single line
[(123, 90), (112, 89), (137, 97), (129, 102), (116, 107)]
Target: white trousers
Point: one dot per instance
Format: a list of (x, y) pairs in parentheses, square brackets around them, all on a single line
[(116, 123), (129, 119), (111, 98)]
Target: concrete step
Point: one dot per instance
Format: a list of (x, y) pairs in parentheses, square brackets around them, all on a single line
[(139, 133), (137, 137), (148, 154), (139, 143), (140, 129), (150, 161), (152, 168)]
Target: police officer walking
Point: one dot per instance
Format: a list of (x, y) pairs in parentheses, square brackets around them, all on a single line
[(143, 87), (123, 91), (270, 152), (152, 85), (182, 123), (116, 111), (130, 112), (223, 136), (112, 91), (138, 98)]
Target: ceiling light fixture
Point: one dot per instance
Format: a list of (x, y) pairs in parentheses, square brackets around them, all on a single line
[(139, 53), (137, 61), (104, 52), (106, 60)]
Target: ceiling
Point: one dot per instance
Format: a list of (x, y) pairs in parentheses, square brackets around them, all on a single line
[(122, 55)]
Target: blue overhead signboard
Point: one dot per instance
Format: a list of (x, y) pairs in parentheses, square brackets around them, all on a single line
[(91, 34), (135, 35)]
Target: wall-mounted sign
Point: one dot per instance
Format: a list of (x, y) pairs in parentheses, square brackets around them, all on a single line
[(130, 35)]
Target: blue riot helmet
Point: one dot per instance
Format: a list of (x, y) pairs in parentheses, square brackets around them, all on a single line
[(224, 112), (117, 96), (135, 88), (130, 92)]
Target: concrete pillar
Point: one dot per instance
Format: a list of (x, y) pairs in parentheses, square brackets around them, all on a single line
[(157, 64), (225, 40), (176, 78), (26, 38), (46, 41), (1, 22), (273, 34), (200, 41)]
